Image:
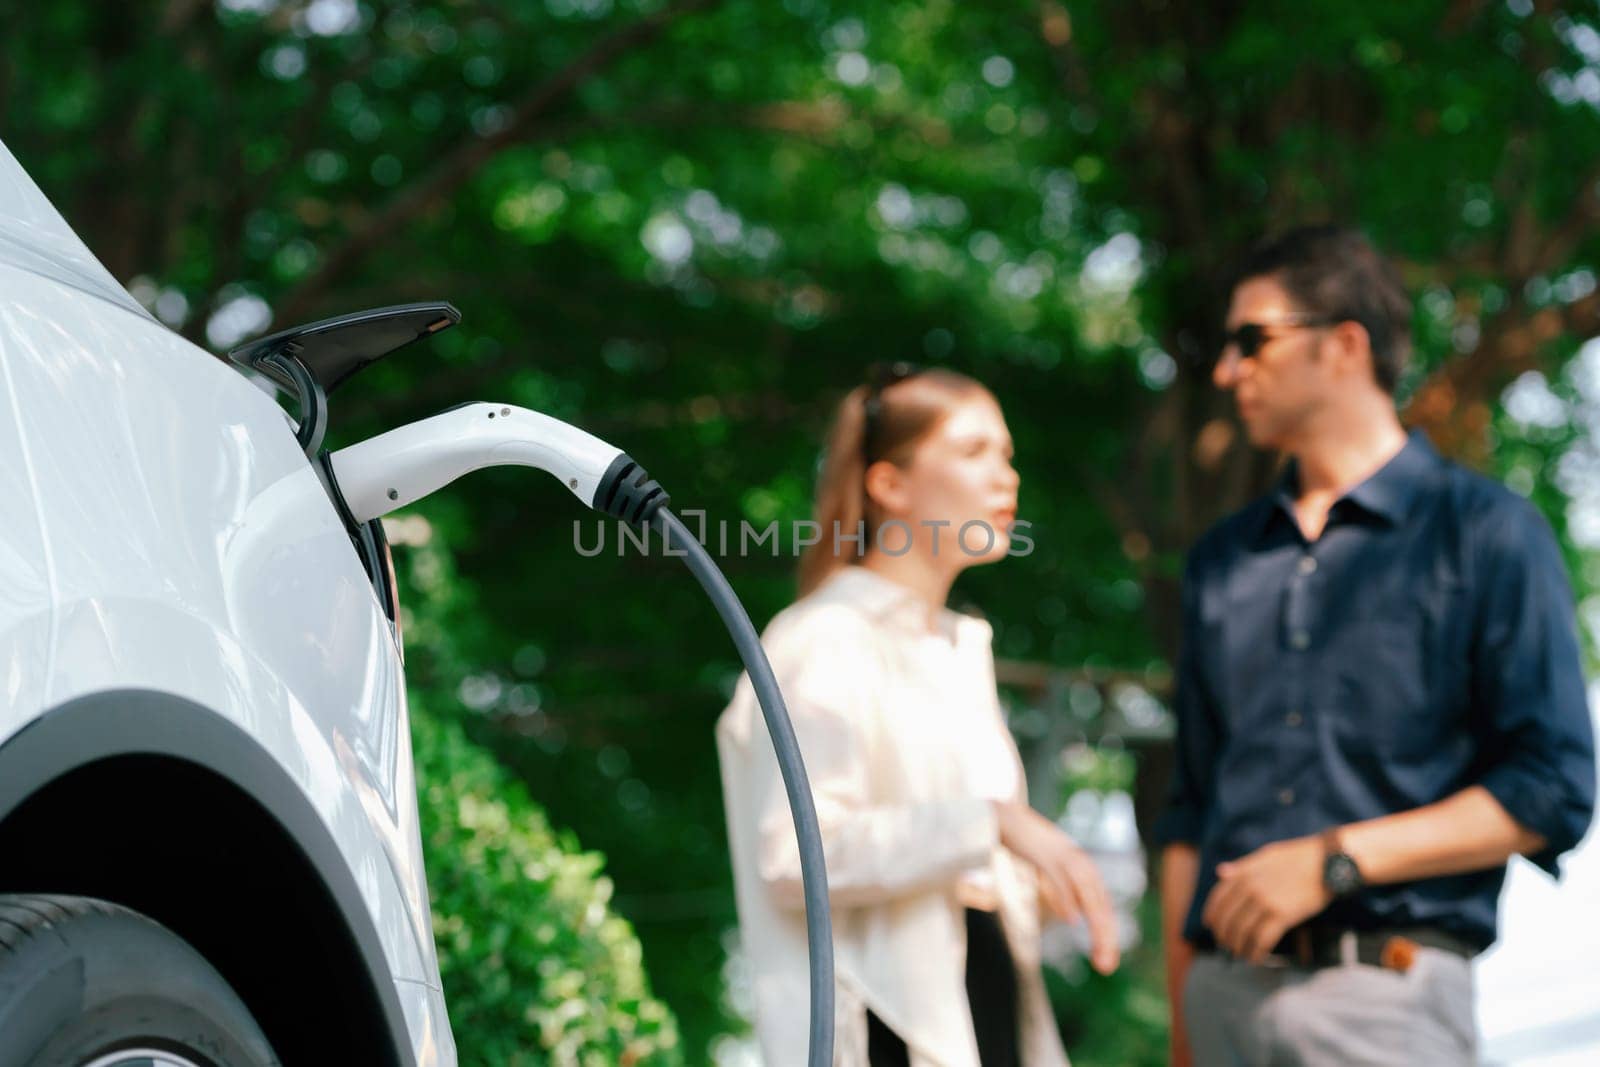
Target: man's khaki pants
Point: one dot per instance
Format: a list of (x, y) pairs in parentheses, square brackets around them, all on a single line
[(1239, 1015)]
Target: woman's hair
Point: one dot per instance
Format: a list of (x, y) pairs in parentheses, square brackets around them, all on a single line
[(904, 413)]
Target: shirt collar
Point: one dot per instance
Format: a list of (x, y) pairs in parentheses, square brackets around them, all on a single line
[(1386, 493), (887, 601)]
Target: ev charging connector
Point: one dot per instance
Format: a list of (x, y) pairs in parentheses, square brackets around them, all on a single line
[(389, 471), (395, 468)]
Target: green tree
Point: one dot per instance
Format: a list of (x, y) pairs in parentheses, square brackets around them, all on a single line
[(688, 227)]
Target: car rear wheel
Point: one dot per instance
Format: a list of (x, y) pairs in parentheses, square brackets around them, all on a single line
[(84, 983)]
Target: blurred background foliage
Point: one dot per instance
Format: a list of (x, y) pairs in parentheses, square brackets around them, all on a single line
[(539, 969), (688, 226)]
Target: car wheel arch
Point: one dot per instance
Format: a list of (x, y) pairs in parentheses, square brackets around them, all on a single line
[(220, 826)]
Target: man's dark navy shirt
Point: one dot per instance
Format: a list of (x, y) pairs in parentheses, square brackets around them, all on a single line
[(1424, 643)]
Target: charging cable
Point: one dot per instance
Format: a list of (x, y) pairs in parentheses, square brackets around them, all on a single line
[(394, 469)]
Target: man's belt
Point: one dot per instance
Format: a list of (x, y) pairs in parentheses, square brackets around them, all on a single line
[(1395, 949)]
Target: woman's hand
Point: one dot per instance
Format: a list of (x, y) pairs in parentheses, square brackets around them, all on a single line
[(1069, 883)]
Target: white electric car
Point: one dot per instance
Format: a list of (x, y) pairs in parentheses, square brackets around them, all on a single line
[(209, 854)]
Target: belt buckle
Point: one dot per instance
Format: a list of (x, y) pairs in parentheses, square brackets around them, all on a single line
[(1398, 954)]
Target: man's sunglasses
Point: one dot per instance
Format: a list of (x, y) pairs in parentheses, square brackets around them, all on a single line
[(1248, 337)]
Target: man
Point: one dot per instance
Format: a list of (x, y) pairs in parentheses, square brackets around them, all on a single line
[(1379, 700)]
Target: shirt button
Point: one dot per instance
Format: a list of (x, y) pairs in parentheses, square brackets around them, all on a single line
[(1307, 564), (1293, 718), (1286, 797), (1300, 640)]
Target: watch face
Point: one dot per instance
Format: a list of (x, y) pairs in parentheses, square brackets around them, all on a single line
[(1340, 875)]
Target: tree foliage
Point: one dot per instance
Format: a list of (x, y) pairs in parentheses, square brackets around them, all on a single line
[(688, 226)]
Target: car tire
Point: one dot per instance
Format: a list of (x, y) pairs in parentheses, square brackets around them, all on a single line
[(85, 983)]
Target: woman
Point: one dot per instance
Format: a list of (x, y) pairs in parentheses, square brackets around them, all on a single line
[(937, 867)]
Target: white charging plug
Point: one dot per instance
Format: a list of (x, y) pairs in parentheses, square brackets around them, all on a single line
[(395, 468)]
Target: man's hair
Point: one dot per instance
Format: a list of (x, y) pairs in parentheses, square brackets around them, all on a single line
[(1334, 272)]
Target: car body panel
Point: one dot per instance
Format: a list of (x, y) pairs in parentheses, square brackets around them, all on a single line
[(161, 530), (425, 1015)]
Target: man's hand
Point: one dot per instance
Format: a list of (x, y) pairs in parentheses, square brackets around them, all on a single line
[(1069, 884), (1258, 898)]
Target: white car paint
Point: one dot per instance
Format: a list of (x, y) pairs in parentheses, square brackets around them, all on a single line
[(161, 529)]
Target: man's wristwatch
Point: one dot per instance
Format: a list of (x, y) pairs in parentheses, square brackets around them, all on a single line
[(1340, 875)]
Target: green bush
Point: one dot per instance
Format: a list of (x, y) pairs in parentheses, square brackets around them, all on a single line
[(536, 967)]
